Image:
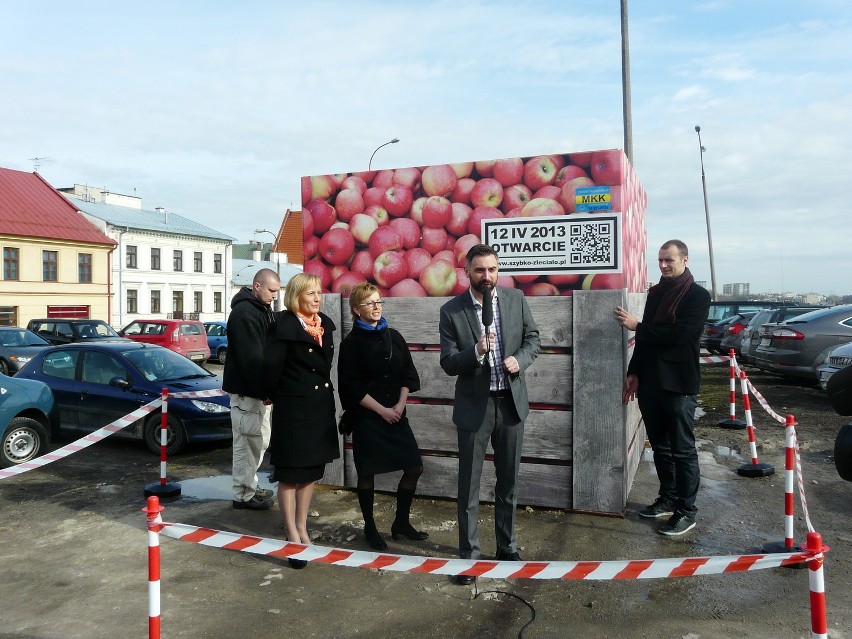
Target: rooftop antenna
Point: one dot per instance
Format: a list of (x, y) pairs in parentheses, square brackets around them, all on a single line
[(37, 162)]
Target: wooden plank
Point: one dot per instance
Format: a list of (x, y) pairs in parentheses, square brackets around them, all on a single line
[(538, 484), (548, 379), (417, 318), (598, 426)]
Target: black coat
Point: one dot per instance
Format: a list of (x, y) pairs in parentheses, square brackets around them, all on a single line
[(248, 326), (297, 372), (666, 357)]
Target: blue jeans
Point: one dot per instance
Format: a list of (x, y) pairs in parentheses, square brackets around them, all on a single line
[(669, 423)]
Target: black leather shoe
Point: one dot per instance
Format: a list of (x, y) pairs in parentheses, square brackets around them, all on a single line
[(508, 556), (297, 564), (408, 531), (465, 580), (375, 540), (255, 503)]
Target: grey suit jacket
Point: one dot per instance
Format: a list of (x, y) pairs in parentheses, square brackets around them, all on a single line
[(460, 331)]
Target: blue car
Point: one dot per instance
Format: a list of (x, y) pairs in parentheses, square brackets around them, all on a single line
[(217, 340), (26, 413), (95, 383)]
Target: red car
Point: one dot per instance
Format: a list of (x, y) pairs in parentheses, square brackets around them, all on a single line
[(186, 337)]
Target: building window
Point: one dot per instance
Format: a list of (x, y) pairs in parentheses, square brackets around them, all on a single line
[(11, 259), (217, 302), (48, 266), (8, 315), (155, 301), (196, 261), (132, 297), (78, 312), (198, 297), (177, 303), (130, 253), (217, 262), (155, 259), (178, 260), (85, 268)]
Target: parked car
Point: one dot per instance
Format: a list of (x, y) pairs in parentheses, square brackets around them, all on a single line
[(751, 333), (732, 337), (186, 337), (17, 346), (839, 391), (796, 347), (217, 340), (720, 310), (95, 383), (27, 419), (711, 338), (60, 330), (838, 358)]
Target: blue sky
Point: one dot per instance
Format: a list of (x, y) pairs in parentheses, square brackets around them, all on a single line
[(215, 109)]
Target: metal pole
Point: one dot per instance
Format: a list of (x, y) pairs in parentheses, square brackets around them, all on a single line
[(707, 216), (625, 84), (370, 163)]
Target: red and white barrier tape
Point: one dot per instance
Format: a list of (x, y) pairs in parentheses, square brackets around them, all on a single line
[(203, 393), (83, 442), (800, 480), (762, 401), (590, 570), (713, 359)]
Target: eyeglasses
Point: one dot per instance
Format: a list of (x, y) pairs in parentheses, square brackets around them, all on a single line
[(376, 304)]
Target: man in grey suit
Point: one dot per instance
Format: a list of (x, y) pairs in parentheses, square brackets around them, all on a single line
[(491, 395)]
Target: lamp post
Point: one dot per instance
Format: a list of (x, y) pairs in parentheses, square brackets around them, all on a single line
[(370, 163), (707, 215), (275, 237)]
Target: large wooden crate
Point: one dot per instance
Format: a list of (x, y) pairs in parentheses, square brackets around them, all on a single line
[(581, 445)]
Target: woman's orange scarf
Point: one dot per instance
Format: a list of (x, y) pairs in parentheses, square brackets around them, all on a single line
[(313, 326)]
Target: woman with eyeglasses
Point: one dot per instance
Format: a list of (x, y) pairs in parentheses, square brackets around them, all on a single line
[(375, 376), (297, 365)]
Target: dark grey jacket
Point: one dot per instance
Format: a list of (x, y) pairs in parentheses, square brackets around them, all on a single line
[(248, 325)]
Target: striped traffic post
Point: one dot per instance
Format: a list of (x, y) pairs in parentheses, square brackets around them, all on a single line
[(816, 580), (164, 489), (789, 544), (732, 421), (755, 468), (155, 523)]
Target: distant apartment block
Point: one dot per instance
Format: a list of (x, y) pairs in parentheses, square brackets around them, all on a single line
[(737, 288)]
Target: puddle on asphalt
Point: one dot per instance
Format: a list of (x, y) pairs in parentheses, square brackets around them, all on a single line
[(214, 487)]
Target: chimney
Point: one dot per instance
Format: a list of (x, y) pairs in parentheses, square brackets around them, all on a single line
[(164, 213)]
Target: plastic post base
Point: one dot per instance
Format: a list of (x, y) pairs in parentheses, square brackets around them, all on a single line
[(756, 470), (778, 547), (737, 424), (169, 490)]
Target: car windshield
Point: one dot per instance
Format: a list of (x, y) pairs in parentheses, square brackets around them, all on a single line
[(96, 329), (163, 365), (21, 337)]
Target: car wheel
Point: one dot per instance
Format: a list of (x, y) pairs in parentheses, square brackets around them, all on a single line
[(222, 355), (175, 437), (843, 452), (23, 440)]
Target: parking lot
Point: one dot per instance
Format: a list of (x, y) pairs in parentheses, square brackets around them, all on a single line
[(74, 551)]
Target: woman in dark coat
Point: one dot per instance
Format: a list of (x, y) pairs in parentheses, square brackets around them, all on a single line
[(376, 374), (297, 361)]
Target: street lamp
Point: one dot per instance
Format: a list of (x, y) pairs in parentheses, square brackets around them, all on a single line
[(370, 163), (707, 215)]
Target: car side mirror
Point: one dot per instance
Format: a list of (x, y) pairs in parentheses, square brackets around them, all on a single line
[(120, 382)]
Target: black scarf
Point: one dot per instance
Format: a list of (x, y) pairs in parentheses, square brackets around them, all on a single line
[(672, 290)]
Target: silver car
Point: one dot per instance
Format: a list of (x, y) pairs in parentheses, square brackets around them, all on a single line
[(796, 347), (751, 333), (837, 358)]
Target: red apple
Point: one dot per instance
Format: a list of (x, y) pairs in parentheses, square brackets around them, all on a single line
[(347, 203), (515, 212), (408, 230), (340, 225), (446, 254), (459, 219), (432, 239), (373, 196), (378, 213), (439, 179), (310, 247), (307, 224), (438, 278), (463, 245), (451, 242), (338, 270), (515, 196), (417, 259), (509, 171), (389, 268), (608, 167), (603, 281), (487, 192), (550, 192), (361, 226), (542, 206), (322, 188), (581, 159), (539, 171), (416, 213), (409, 177), (383, 179), (336, 246), (541, 289), (407, 288), (462, 191), (480, 213), (343, 285), (462, 169), (568, 197), (569, 173), (485, 168), (367, 176), (384, 239), (354, 182), (397, 200), (324, 215), (316, 267), (338, 178), (362, 263), (306, 190), (558, 161), (437, 212), (462, 282)]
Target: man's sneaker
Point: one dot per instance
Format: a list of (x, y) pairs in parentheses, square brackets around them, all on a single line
[(264, 493), (677, 524), (255, 503), (660, 508)]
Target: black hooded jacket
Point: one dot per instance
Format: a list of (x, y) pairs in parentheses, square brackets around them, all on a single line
[(248, 325)]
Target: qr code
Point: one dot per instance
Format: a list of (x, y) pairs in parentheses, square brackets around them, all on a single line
[(591, 243)]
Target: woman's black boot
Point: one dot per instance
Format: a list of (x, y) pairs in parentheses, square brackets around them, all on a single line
[(401, 524), (365, 500)]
